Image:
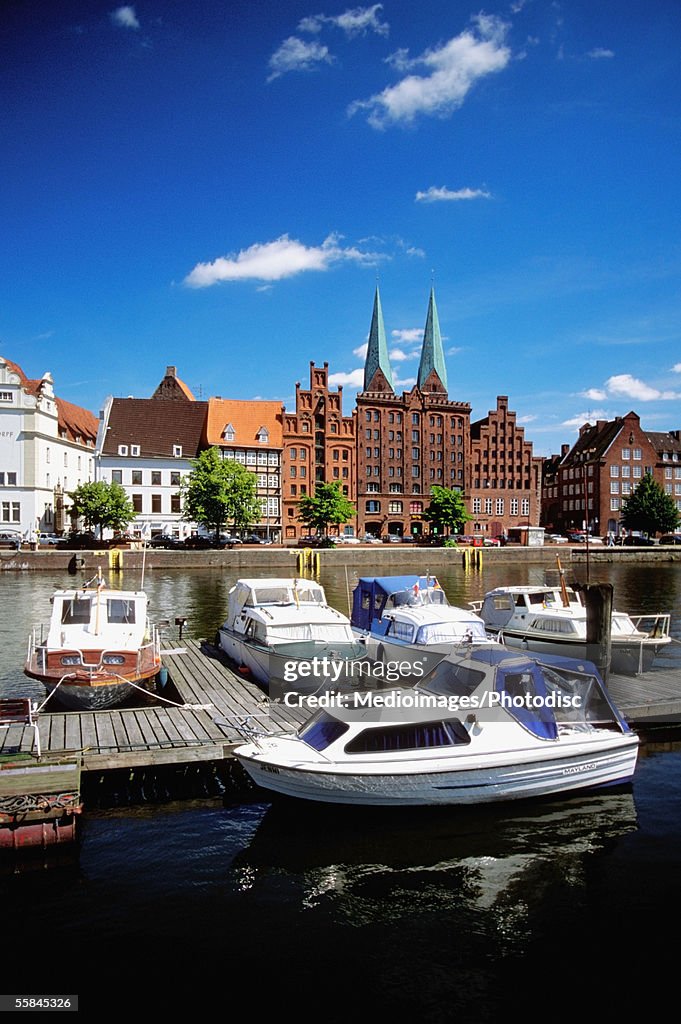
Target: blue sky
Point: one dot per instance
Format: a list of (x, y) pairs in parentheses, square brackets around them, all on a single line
[(220, 185)]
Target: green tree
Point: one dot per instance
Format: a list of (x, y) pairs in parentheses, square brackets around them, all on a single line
[(446, 510), (649, 510), (101, 504), (326, 506), (219, 491)]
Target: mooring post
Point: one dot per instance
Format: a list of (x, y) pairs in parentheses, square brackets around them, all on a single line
[(598, 603)]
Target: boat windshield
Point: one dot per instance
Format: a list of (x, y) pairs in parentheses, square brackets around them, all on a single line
[(415, 597), (322, 730), (333, 632), (450, 632), (302, 594)]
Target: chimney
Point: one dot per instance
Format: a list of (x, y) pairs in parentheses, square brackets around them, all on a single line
[(171, 371)]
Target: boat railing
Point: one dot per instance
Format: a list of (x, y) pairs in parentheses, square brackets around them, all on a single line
[(655, 626), (38, 651)]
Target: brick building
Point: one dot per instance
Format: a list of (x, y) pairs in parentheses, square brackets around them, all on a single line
[(318, 447), (586, 485), (407, 443), (505, 488)]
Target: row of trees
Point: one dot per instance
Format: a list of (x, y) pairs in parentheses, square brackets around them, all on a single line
[(220, 492)]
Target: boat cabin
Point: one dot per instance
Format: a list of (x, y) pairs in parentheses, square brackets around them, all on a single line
[(374, 596)]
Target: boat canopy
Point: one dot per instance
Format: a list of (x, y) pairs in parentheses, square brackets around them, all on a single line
[(374, 595), (542, 694)]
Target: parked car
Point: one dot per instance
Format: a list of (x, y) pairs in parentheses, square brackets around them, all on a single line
[(48, 538), (10, 537), (253, 538), (198, 541), (555, 538), (165, 540), (670, 538), (576, 536), (346, 539), (637, 542)]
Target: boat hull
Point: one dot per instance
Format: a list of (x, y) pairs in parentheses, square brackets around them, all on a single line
[(96, 692), (267, 664), (610, 764), (626, 657)]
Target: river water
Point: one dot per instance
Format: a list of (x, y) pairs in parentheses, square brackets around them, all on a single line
[(196, 894)]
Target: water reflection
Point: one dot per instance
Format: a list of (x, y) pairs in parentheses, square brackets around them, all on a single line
[(496, 864)]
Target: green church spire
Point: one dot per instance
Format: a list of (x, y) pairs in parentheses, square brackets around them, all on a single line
[(432, 354), (377, 352)]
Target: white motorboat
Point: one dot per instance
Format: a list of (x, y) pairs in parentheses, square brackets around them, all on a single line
[(273, 622), (549, 619), (392, 613), (491, 725), (99, 647)]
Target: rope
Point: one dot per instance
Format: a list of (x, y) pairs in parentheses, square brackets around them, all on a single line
[(173, 703)]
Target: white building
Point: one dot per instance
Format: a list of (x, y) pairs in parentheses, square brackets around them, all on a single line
[(47, 448), (146, 445)]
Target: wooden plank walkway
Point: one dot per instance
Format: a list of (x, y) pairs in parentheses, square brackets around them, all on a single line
[(212, 695)]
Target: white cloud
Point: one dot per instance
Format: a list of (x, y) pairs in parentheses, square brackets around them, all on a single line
[(125, 17), (273, 261), (454, 351), (586, 417), (407, 382), (631, 387), (599, 53), (595, 394), (437, 195), (353, 379), (398, 356), (354, 21), (451, 71), (408, 335), (297, 55), (676, 368), (361, 350)]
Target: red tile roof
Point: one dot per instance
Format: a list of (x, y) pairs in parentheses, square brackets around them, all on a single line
[(156, 425), (247, 418)]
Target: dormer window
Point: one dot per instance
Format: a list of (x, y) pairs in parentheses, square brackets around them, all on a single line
[(229, 433), (122, 449), (263, 436), (134, 449), (177, 451)]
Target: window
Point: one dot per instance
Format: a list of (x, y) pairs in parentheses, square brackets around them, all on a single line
[(488, 506), (614, 504), (229, 433), (174, 479), (477, 506), (116, 476), (394, 506), (122, 449), (5, 396), (156, 503), (137, 502), (638, 455), (136, 477), (263, 435), (514, 506), (156, 478), (175, 505), (525, 507), (614, 471), (177, 451), (626, 454), (415, 418), (372, 506), (499, 509), (134, 449), (416, 507), (303, 454)]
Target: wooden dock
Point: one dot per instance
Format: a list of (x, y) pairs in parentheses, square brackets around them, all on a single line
[(212, 695)]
